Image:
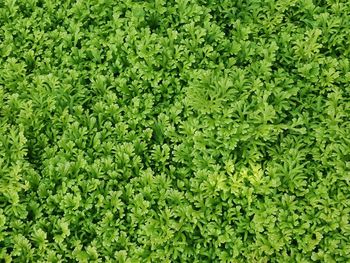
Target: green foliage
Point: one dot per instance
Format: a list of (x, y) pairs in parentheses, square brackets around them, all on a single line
[(174, 131)]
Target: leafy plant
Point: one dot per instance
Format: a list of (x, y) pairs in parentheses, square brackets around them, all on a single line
[(174, 131)]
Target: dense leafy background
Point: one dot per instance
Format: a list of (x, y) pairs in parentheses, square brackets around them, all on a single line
[(174, 131)]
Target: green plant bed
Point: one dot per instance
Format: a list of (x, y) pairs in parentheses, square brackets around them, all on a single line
[(174, 131)]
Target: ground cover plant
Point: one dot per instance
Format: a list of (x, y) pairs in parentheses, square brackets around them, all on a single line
[(174, 131)]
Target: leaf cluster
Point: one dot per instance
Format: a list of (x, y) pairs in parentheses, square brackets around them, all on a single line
[(174, 131)]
